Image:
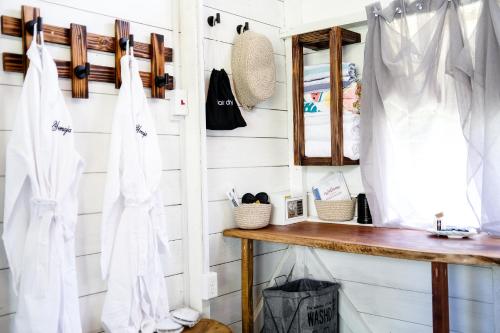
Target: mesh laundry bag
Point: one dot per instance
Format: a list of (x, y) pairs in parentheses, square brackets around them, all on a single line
[(301, 306), (222, 112)]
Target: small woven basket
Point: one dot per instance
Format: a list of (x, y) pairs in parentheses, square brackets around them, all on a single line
[(252, 216), (335, 210)]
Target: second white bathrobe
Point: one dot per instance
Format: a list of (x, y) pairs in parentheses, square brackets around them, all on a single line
[(133, 228)]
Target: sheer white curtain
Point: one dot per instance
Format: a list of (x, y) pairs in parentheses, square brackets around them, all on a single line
[(416, 107)]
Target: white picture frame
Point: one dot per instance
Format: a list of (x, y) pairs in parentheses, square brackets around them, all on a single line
[(295, 209)]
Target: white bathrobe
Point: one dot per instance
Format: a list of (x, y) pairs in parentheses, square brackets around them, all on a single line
[(133, 228), (42, 175)]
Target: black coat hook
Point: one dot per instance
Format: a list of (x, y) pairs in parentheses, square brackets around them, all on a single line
[(242, 28), (162, 81), (123, 42), (212, 21), (82, 71), (30, 25)]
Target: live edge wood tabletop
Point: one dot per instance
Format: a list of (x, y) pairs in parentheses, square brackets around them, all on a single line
[(387, 242)]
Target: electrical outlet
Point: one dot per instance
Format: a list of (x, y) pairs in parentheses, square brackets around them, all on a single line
[(210, 285)]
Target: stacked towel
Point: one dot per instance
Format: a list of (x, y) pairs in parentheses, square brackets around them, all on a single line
[(317, 128)]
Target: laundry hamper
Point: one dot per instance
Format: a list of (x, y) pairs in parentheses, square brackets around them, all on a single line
[(335, 210), (252, 216), (301, 306)]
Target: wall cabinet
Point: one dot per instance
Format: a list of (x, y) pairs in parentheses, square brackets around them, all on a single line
[(333, 39)]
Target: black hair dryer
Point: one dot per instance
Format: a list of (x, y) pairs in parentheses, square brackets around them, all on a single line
[(364, 215)]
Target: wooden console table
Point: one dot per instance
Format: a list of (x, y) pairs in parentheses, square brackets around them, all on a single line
[(387, 242)]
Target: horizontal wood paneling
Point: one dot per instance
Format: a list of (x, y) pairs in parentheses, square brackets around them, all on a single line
[(227, 152), (229, 23), (218, 55), (270, 12), (264, 267), (92, 119), (226, 308), (93, 115), (253, 180), (415, 307), (260, 123), (466, 282), (224, 249)]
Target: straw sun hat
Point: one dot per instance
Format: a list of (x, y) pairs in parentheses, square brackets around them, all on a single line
[(254, 71)]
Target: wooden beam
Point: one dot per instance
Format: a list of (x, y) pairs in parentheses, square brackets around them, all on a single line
[(13, 62), (27, 14), (247, 285), (440, 307), (79, 86), (157, 65), (336, 95), (298, 99), (11, 26), (122, 30)]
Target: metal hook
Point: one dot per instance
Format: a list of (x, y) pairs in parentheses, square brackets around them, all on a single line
[(241, 29), (82, 71), (163, 80), (213, 21), (123, 42), (30, 25)]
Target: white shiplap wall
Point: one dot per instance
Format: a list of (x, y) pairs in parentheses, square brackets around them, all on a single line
[(394, 295), (252, 159), (92, 125)]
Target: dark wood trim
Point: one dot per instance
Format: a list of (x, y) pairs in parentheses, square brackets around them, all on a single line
[(122, 30), (298, 99), (79, 87), (336, 96), (157, 65), (440, 306), (11, 26), (13, 63), (247, 285), (27, 14)]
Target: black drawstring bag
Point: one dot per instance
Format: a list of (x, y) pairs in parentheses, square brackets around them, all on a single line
[(222, 112)]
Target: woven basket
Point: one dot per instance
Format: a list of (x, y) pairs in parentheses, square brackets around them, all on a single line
[(335, 210), (252, 216)]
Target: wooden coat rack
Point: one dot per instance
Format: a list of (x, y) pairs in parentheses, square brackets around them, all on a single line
[(78, 69), (332, 38)]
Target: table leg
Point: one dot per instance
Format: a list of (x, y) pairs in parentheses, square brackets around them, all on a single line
[(247, 285), (440, 308)]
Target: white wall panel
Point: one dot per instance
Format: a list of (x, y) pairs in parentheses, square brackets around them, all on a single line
[(227, 152), (92, 119)]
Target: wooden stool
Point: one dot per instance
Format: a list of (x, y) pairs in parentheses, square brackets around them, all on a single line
[(208, 326)]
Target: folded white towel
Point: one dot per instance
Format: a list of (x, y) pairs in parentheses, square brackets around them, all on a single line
[(351, 137), (318, 148), (167, 325), (186, 316), (321, 118), (318, 133)]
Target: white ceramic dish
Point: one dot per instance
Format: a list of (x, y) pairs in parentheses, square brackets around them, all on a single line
[(453, 233)]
